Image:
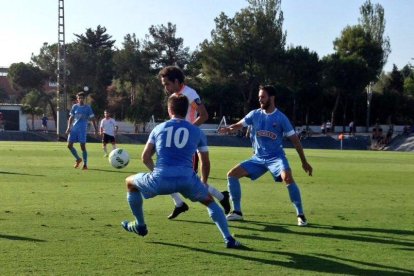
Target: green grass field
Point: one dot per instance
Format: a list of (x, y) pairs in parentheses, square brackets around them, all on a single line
[(57, 220)]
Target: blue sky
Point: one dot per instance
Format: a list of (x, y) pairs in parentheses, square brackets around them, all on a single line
[(314, 24)]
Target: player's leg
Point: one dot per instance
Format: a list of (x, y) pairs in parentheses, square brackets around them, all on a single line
[(71, 139), (113, 142), (180, 206), (200, 193), (233, 183), (223, 197), (217, 216), (104, 143), (281, 171), (82, 142), (84, 155), (295, 196), (252, 168), (135, 201)]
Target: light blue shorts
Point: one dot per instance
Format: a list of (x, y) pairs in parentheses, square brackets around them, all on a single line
[(256, 167), (77, 136), (151, 185)]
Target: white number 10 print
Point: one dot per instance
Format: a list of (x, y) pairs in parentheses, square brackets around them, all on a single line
[(180, 137)]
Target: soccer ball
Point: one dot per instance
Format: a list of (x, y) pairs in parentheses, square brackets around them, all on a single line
[(118, 158)]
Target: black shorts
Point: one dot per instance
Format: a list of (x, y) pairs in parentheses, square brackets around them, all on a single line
[(108, 139)]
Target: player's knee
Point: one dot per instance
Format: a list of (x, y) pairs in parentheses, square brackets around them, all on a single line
[(288, 178), (232, 173), (129, 183), (209, 199)]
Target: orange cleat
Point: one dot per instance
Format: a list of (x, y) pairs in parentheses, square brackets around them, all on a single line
[(77, 163)]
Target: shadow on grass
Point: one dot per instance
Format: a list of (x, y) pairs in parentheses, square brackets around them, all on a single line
[(280, 228), (111, 171), (287, 229), (2, 172), (18, 238), (320, 264)]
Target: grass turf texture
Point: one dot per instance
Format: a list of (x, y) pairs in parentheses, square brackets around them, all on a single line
[(56, 220)]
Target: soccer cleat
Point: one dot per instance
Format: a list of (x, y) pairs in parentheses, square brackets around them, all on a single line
[(232, 243), (135, 228), (178, 210), (302, 220), (225, 202), (85, 167), (234, 215), (77, 163)]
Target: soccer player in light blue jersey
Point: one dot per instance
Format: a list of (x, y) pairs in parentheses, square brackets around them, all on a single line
[(174, 142), (268, 126), (80, 114)]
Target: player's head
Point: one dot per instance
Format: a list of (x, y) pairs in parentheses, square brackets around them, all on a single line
[(267, 94), (107, 114), (177, 106), (80, 97), (172, 78)]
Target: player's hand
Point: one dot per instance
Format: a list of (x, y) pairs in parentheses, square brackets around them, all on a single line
[(307, 168), (224, 130)]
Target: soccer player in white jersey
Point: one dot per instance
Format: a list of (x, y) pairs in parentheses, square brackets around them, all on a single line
[(108, 129), (77, 126), (174, 142), (268, 126), (172, 78)]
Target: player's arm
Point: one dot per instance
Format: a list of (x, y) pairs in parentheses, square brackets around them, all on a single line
[(70, 120), (147, 154), (205, 166), (202, 115), (298, 146), (116, 130), (95, 125), (101, 130), (231, 128)]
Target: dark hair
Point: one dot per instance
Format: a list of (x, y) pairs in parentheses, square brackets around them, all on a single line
[(80, 94), (172, 73), (178, 104), (271, 91)]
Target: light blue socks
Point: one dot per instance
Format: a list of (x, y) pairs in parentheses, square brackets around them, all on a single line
[(294, 194), (135, 203), (235, 192)]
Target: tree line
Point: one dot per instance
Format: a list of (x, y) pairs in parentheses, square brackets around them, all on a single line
[(244, 51)]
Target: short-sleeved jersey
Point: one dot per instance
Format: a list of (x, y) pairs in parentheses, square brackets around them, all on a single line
[(175, 142), (193, 102), (108, 126), (81, 115), (267, 132)]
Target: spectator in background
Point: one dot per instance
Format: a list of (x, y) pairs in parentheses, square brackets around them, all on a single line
[(323, 128), (328, 127), (390, 132), (44, 123), (351, 128), (406, 130)]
